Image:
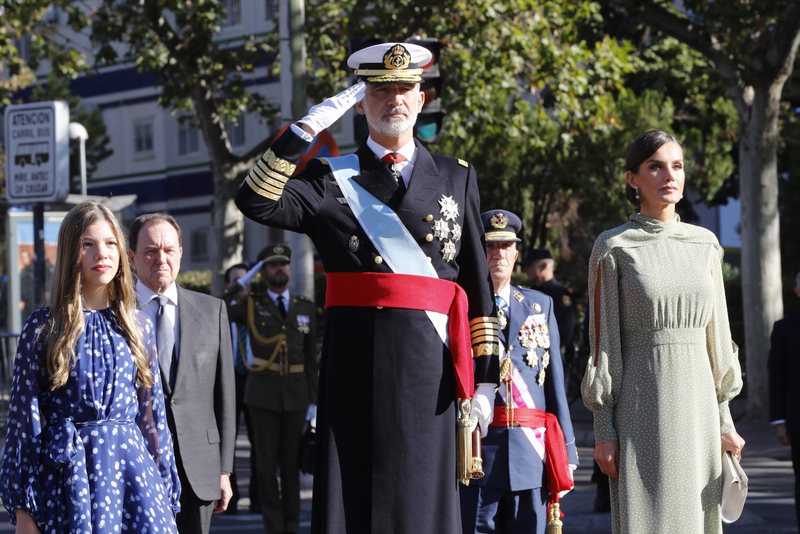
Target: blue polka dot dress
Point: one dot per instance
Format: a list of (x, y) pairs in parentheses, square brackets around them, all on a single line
[(95, 455)]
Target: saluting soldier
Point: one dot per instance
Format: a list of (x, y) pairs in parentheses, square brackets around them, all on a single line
[(399, 233), (529, 453), (281, 390)]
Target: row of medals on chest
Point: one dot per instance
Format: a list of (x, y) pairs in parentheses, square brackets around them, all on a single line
[(442, 231), (533, 335)]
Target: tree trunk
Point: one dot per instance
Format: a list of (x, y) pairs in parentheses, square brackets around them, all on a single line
[(761, 253), (228, 229)]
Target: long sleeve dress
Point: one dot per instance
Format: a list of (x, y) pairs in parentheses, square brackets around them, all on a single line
[(660, 379), (94, 455)]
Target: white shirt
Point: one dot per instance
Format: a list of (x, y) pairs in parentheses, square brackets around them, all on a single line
[(506, 294), (274, 296), (409, 150), (150, 307)]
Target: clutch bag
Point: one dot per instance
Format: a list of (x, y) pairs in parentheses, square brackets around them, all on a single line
[(734, 488)]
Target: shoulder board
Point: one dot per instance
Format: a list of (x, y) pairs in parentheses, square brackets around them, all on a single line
[(303, 298), (463, 163)]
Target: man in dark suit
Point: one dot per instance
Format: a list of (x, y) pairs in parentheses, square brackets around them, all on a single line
[(399, 234), (530, 445), (194, 353), (281, 391), (784, 395)]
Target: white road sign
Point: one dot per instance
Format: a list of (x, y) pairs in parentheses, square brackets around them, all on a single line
[(37, 152)]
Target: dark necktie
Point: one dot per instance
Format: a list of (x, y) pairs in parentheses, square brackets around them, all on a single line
[(392, 159), (165, 340), (281, 306)]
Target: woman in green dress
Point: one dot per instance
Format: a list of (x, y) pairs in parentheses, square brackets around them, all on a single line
[(662, 366)]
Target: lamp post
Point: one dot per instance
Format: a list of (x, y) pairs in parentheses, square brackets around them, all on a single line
[(77, 131)]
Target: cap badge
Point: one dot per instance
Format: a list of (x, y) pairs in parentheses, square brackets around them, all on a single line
[(397, 58), (449, 208), (499, 220), (353, 244), (278, 249)]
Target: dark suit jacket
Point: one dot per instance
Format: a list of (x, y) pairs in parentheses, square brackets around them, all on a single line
[(509, 459), (784, 372), (202, 405)]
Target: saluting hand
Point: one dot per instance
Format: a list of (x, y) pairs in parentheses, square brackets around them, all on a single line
[(326, 113)]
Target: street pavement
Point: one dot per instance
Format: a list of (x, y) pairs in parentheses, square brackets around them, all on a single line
[(769, 508)]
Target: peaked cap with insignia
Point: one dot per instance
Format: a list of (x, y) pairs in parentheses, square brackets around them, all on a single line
[(279, 252), (390, 63), (500, 225)]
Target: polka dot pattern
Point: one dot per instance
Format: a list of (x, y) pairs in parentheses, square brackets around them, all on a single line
[(662, 376), (95, 455)]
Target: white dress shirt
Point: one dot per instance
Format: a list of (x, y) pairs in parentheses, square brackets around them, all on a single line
[(274, 296), (409, 150), (150, 307)]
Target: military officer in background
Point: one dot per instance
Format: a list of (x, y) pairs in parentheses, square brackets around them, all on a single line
[(538, 266), (281, 391), (529, 453), (399, 233)]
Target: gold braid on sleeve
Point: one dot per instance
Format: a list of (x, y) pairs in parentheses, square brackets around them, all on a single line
[(485, 335), (270, 175)]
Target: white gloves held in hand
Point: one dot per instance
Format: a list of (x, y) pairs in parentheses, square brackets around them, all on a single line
[(247, 278), (482, 408), (326, 113)]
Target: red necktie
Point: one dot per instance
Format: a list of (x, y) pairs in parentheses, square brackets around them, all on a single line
[(392, 159)]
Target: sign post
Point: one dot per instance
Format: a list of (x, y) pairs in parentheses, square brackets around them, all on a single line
[(37, 165)]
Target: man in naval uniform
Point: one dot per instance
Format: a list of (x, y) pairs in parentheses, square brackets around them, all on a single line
[(529, 451), (281, 390), (408, 302)]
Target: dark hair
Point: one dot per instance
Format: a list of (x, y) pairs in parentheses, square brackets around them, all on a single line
[(139, 222), (642, 148), (231, 268)]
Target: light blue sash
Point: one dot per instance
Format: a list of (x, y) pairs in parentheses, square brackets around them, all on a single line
[(385, 230)]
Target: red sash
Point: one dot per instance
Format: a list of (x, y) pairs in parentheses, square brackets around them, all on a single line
[(412, 292), (558, 475)]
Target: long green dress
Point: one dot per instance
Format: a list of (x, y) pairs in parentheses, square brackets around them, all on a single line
[(660, 380)]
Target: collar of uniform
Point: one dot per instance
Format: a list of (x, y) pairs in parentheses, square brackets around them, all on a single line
[(409, 150), (146, 294), (274, 296)]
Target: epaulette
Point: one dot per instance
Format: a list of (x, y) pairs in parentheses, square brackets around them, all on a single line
[(463, 163), (303, 297)]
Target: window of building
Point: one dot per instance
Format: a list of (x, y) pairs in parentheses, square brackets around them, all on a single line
[(274, 126), (233, 15), (236, 131), (143, 137), (199, 241), (271, 9), (188, 139)]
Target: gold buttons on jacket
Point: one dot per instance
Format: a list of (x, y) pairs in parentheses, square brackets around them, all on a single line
[(429, 238), (378, 260)]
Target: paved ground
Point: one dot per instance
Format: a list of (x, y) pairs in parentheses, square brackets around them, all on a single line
[(769, 508)]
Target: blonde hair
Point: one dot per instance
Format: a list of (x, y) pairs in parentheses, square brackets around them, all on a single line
[(66, 302)]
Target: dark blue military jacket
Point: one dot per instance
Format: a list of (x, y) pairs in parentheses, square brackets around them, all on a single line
[(386, 414), (509, 460)]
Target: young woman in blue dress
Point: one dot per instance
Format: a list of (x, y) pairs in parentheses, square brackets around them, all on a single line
[(88, 448)]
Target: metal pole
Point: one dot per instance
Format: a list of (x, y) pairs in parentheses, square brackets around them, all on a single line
[(83, 166), (38, 254)]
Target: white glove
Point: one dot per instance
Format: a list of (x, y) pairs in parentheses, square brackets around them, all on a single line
[(326, 113), (312, 412), (247, 278), (482, 408), (572, 468)]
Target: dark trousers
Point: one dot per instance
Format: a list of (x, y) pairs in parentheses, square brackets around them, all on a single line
[(195, 514), (252, 488), (277, 437), (795, 437), (498, 511)]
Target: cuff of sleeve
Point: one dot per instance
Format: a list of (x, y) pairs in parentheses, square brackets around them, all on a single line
[(304, 135), (485, 336), (726, 425), (604, 425)]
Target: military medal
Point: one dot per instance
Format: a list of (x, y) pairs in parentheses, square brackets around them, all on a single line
[(449, 208), (441, 229), (303, 324), (456, 231), (537, 307), (448, 251), (353, 244), (527, 338), (502, 319)]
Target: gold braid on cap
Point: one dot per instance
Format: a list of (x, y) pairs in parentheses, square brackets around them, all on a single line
[(485, 335), (269, 176)]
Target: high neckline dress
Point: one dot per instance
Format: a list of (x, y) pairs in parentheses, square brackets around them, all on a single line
[(660, 380), (95, 455)]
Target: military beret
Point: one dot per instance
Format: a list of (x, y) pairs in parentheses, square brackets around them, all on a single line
[(500, 225), (279, 252), (390, 63), (536, 254)]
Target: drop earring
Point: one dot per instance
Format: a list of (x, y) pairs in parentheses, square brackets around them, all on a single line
[(636, 188)]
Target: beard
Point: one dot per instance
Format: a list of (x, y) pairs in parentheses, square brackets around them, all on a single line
[(391, 127), (279, 279)]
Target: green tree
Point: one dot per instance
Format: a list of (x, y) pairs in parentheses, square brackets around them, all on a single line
[(203, 81), (752, 45)]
